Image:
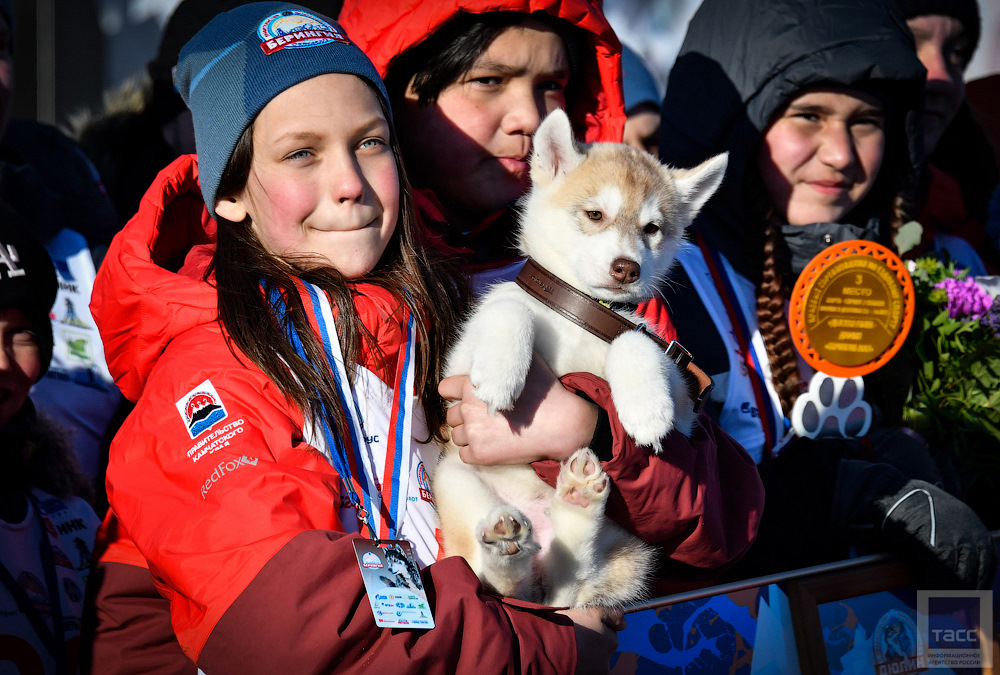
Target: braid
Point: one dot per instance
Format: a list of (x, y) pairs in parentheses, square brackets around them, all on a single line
[(772, 294)]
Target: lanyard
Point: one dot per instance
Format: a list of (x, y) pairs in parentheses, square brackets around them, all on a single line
[(55, 643), (352, 456), (741, 331)]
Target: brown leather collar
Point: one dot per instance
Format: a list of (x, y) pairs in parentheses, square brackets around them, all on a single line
[(606, 324)]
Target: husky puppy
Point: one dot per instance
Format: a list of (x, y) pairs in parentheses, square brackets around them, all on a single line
[(607, 219)]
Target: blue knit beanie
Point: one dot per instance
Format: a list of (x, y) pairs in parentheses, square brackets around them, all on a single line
[(245, 57)]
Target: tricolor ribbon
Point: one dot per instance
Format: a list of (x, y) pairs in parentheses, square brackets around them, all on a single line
[(352, 456)]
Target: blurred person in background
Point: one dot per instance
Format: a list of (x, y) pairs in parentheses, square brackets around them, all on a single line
[(642, 103), (46, 178), (47, 523), (962, 168)]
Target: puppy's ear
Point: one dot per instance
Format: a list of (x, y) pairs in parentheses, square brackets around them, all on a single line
[(695, 186), (555, 151)]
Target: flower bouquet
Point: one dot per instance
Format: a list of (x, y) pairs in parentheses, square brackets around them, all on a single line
[(954, 399)]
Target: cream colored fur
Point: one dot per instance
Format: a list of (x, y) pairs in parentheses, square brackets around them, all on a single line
[(588, 209)]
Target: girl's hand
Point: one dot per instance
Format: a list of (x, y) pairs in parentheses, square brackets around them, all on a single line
[(596, 637), (547, 422)]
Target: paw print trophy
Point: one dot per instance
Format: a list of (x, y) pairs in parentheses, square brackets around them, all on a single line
[(850, 312)]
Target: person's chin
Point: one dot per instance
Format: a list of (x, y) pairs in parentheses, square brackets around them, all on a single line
[(816, 214)]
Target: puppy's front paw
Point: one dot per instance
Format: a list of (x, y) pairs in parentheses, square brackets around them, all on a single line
[(639, 377), (582, 481), (505, 531), (501, 355), (498, 383)]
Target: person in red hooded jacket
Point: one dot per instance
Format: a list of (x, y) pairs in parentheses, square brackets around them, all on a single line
[(470, 82)]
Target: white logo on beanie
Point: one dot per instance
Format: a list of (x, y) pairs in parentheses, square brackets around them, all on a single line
[(295, 29), (9, 259)]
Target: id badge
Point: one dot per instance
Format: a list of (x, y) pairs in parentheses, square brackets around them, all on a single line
[(393, 582)]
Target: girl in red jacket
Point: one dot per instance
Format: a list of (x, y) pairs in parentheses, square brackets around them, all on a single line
[(284, 364)]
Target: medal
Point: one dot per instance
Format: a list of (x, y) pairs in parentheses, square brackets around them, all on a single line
[(851, 309)]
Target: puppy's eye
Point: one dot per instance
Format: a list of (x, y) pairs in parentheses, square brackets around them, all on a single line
[(595, 215), (651, 229)]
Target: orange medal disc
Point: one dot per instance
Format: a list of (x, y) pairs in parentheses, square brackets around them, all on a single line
[(851, 308)]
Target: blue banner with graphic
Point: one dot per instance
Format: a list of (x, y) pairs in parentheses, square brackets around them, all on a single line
[(765, 626)]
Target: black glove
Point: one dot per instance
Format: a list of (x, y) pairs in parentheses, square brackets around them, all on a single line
[(876, 505)]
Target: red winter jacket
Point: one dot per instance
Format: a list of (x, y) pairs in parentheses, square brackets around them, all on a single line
[(256, 568)]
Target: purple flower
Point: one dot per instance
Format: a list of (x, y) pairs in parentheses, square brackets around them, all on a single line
[(991, 320), (965, 298)]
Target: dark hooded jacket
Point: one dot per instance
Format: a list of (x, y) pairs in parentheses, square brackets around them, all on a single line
[(741, 63)]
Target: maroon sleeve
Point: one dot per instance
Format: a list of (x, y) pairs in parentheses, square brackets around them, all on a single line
[(700, 500), (129, 625), (306, 611)]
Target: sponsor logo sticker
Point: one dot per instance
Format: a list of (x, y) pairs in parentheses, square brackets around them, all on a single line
[(423, 483), (371, 561), (895, 644), (201, 409)]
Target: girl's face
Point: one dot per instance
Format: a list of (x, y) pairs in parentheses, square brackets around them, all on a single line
[(820, 158), (472, 147), (20, 361), (323, 180)]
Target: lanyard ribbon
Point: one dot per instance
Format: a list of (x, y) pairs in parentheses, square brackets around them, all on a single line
[(766, 410), (352, 456)]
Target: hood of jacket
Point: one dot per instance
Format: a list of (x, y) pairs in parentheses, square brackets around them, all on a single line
[(151, 287), (742, 62), (386, 29)]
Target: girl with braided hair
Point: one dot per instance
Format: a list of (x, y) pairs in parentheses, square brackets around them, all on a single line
[(818, 105)]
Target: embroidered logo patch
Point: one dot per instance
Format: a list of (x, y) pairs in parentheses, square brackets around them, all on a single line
[(296, 29), (201, 409)]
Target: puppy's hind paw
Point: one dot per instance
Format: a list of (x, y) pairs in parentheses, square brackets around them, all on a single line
[(505, 531), (582, 481)]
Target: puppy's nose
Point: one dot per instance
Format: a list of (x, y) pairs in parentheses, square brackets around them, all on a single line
[(624, 271)]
